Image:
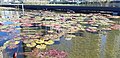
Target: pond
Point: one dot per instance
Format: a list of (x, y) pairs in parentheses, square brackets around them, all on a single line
[(105, 44)]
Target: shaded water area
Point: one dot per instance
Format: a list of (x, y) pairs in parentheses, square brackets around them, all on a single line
[(105, 44)]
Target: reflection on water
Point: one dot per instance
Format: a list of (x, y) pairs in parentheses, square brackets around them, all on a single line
[(102, 45), (64, 44), (88, 46), (8, 36), (9, 14), (5, 36), (113, 45)]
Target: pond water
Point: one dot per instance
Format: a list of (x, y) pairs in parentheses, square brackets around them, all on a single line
[(103, 45)]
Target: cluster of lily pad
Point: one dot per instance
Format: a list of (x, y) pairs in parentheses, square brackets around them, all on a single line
[(11, 44), (31, 43), (53, 53), (38, 43)]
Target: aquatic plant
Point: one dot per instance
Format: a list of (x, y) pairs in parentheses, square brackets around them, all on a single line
[(38, 43), (11, 44), (52, 53)]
